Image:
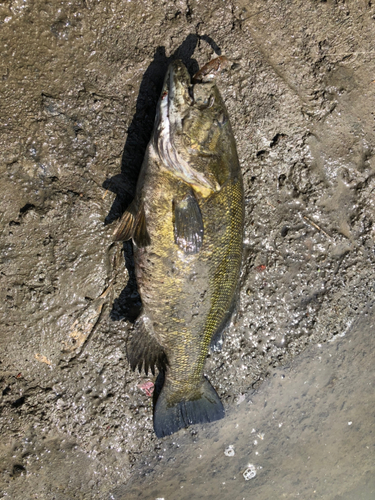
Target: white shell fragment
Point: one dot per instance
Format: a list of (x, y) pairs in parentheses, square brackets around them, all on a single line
[(250, 472), (229, 452)]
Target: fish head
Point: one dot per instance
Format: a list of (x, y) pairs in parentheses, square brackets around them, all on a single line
[(192, 130)]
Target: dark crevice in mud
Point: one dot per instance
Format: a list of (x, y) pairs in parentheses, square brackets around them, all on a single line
[(26, 208), (17, 470), (18, 402), (6, 390), (281, 180), (277, 138), (284, 231), (188, 13), (262, 154)]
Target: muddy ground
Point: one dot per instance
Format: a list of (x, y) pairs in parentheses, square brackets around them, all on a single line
[(79, 85), (307, 432)]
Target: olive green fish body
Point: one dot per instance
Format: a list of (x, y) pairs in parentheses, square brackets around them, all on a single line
[(187, 223)]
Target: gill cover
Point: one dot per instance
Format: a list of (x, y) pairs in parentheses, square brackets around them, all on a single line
[(175, 106)]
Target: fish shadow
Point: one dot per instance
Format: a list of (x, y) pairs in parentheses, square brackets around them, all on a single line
[(128, 305)]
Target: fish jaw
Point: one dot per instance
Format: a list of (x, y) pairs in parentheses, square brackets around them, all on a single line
[(174, 104)]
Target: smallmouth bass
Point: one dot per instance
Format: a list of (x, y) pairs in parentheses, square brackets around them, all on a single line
[(186, 222)]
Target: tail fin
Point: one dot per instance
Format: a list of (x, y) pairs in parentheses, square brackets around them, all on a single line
[(205, 406)]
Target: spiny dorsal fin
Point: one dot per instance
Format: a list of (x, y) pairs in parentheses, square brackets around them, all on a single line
[(144, 349)]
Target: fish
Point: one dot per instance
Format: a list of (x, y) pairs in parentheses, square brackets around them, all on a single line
[(186, 223)]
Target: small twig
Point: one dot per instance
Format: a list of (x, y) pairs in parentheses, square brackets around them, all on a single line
[(316, 226), (253, 15), (270, 204)]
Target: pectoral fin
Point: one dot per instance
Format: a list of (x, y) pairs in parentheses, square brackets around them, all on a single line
[(141, 236), (125, 228), (133, 225), (188, 224)]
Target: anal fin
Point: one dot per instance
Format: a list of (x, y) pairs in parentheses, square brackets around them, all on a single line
[(143, 350), (188, 224)]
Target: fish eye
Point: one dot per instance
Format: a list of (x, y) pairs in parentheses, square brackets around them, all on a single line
[(211, 101), (205, 103)]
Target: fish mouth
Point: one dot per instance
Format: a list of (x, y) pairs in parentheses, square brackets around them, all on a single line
[(175, 100)]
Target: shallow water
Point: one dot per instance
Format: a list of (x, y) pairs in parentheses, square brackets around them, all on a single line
[(309, 432)]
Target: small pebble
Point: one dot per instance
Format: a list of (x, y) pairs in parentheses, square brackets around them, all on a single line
[(250, 472), (229, 452)]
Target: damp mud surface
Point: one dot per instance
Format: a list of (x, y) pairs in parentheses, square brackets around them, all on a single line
[(307, 432), (79, 82)]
